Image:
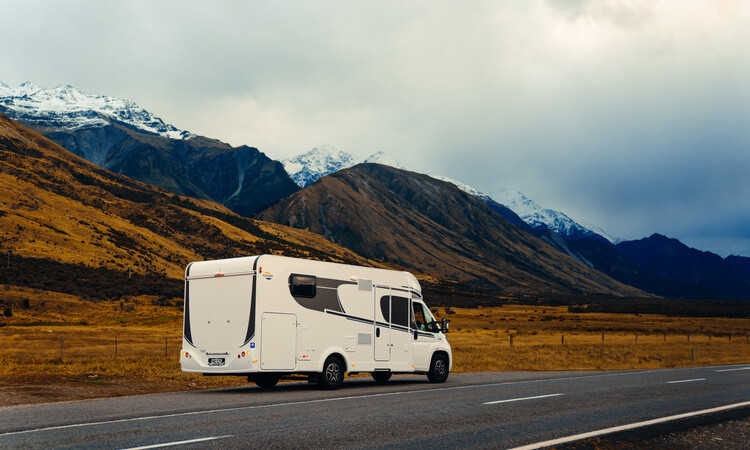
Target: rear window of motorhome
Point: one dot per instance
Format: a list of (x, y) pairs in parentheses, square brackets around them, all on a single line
[(302, 285), (399, 307)]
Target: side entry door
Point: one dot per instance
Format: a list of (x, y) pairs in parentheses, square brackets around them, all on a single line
[(382, 325)]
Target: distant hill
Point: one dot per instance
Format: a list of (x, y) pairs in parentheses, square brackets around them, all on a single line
[(673, 260), (430, 225), (123, 138), (67, 225)]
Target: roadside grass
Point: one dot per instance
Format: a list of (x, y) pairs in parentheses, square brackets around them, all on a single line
[(119, 348)]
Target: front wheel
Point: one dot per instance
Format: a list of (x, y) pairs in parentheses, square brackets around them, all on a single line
[(333, 374), (438, 369)]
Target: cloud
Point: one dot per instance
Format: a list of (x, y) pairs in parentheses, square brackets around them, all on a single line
[(628, 114)]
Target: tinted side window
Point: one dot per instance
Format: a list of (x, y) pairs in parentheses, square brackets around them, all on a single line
[(302, 285), (399, 308)]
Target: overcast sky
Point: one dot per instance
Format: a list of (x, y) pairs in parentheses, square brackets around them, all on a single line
[(631, 115)]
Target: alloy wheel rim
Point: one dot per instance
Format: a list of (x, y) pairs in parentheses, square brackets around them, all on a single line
[(332, 373), (440, 367)]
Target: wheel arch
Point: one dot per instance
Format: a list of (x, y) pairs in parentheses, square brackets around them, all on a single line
[(334, 352)]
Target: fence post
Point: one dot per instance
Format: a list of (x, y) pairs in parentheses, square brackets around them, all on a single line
[(692, 353), (730, 336), (511, 340), (688, 337), (602, 336), (61, 347), (636, 338), (562, 339)]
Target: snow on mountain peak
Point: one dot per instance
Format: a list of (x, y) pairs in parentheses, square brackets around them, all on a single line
[(306, 168), (384, 159), (69, 108)]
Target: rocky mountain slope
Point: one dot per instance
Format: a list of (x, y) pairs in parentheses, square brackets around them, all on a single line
[(430, 225), (67, 225), (126, 139)]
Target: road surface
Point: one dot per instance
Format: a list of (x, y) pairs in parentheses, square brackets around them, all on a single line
[(499, 410)]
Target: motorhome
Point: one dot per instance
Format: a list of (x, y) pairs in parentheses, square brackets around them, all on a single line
[(269, 317)]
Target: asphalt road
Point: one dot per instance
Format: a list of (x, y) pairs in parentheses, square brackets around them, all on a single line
[(500, 410)]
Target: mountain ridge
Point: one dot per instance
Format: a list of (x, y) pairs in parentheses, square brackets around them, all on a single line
[(431, 225)]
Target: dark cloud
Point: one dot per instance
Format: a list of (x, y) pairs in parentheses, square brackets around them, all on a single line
[(630, 115)]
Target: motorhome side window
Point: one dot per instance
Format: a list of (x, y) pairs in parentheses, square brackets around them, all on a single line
[(399, 307), (302, 285)]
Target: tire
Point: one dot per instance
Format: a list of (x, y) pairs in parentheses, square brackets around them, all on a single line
[(267, 381), (381, 377), (438, 369), (333, 373)]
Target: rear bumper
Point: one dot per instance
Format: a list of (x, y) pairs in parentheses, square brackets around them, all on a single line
[(193, 361)]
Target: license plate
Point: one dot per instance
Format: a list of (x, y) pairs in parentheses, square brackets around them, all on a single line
[(215, 361)]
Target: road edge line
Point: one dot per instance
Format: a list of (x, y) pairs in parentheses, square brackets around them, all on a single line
[(632, 426)]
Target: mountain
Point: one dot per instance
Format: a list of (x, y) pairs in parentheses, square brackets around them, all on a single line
[(671, 259), (67, 107), (433, 226), (70, 226), (123, 138)]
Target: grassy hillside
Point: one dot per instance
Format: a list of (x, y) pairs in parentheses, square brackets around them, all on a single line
[(67, 225)]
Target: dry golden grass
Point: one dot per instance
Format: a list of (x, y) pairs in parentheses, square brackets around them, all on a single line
[(551, 338)]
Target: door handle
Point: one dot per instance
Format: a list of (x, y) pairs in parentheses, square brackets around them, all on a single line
[(416, 335), (377, 332)]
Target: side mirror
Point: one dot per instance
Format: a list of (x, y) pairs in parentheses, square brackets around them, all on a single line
[(445, 325)]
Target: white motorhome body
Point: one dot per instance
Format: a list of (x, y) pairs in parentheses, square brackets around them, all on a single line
[(270, 316)]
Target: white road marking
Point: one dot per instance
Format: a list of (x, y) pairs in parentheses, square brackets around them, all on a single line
[(732, 370), (191, 441), (240, 408), (521, 398), (578, 437), (686, 381)]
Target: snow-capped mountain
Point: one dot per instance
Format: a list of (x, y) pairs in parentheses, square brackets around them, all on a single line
[(69, 108), (306, 168), (323, 160), (543, 218)]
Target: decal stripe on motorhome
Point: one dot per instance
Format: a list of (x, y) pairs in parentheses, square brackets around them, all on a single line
[(380, 324), (251, 323), (186, 326)]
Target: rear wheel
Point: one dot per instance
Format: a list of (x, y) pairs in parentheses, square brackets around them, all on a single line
[(333, 373), (381, 377), (267, 381), (438, 369)]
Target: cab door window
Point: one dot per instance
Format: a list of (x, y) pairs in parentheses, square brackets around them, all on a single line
[(422, 319)]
